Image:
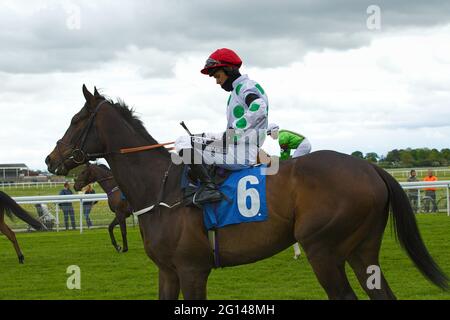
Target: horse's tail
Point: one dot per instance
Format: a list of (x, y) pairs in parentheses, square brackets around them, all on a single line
[(408, 234), (11, 207)]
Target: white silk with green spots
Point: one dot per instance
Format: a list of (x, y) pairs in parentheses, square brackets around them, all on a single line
[(249, 122), (242, 117)]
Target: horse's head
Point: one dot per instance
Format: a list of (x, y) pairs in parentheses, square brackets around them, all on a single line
[(86, 177), (80, 141)]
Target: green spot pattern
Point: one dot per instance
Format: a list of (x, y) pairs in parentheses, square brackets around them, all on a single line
[(241, 123), (238, 111), (259, 88), (238, 88), (254, 107)]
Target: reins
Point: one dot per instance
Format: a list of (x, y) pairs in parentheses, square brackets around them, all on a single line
[(148, 147), (132, 150)]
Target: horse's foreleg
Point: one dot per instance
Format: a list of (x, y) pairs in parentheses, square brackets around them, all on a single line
[(169, 285), (12, 237), (193, 283), (123, 229), (114, 223)]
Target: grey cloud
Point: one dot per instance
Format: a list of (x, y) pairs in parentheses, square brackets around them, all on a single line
[(267, 33)]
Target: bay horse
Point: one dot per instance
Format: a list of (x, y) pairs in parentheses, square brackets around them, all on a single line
[(335, 205), (121, 207), (10, 207)]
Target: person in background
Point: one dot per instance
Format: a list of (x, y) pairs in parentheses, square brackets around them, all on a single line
[(289, 140), (413, 193), (87, 205), (44, 215), (430, 192), (67, 207)]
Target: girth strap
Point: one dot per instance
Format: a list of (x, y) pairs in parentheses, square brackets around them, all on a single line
[(148, 209), (214, 244)]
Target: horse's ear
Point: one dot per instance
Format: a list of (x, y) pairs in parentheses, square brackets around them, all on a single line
[(96, 92), (87, 95)]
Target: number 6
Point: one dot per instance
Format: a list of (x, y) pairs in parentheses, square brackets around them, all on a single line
[(243, 193)]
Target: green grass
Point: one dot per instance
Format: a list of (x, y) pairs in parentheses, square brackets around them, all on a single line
[(22, 191), (106, 274)]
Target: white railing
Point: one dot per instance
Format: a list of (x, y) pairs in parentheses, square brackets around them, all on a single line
[(57, 199), (420, 185), (26, 185)]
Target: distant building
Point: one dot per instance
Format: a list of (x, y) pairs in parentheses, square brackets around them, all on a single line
[(12, 172)]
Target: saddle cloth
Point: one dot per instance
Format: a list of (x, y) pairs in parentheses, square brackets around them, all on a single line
[(245, 192)]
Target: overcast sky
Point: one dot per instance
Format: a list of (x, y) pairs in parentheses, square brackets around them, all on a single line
[(347, 75)]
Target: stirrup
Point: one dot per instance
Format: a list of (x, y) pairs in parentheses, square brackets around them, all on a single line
[(217, 196)]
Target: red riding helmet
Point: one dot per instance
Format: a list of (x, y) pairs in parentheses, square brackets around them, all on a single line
[(222, 58)]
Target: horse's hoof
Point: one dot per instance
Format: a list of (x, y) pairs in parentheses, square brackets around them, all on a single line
[(21, 259), (124, 250), (119, 249)]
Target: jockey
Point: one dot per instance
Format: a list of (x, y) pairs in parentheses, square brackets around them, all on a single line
[(289, 140), (247, 109)]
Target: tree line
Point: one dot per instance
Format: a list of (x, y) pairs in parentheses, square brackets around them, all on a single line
[(401, 158)]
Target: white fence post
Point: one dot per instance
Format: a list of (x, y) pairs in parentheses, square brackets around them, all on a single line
[(57, 217), (418, 200), (448, 199), (81, 215)]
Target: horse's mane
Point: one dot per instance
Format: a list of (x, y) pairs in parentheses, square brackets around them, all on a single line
[(128, 114)]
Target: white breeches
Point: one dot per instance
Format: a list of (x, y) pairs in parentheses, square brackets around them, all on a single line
[(302, 149)]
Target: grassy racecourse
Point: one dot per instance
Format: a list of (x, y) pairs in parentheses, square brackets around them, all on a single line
[(106, 274)]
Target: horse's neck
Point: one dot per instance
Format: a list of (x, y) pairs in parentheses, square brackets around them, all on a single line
[(106, 184), (138, 175), (139, 180)]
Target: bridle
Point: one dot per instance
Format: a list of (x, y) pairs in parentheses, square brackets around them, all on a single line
[(110, 177), (78, 155)]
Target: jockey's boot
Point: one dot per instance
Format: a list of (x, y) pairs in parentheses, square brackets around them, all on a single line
[(208, 191)]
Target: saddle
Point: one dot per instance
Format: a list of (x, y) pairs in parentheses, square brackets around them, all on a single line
[(190, 184)]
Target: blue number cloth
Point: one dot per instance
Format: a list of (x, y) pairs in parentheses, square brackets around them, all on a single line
[(246, 193)]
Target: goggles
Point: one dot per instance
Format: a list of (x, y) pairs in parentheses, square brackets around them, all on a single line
[(211, 63)]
